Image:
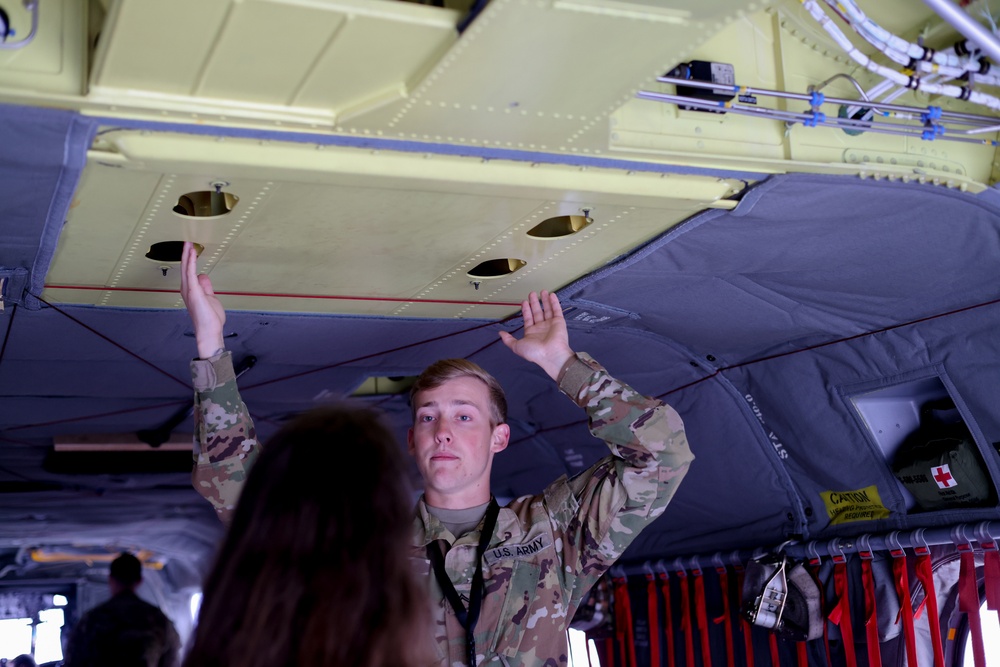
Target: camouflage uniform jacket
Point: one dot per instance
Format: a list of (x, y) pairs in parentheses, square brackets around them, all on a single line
[(546, 552), (125, 631)]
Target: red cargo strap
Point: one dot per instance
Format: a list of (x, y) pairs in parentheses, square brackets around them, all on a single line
[(772, 640), (926, 576), (652, 607), (668, 619), (871, 611), (726, 619), (841, 613), (991, 566), (702, 614), (745, 627), (814, 564), (623, 622), (902, 579), (686, 619), (991, 574), (803, 654), (968, 601)]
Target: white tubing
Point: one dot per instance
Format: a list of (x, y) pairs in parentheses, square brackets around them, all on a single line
[(968, 26), (895, 77)]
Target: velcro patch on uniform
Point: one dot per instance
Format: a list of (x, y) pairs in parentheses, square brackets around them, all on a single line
[(518, 551), (861, 505)]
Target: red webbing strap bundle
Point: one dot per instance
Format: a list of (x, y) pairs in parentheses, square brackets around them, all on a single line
[(926, 576), (802, 652), (871, 610), (623, 623), (968, 601), (841, 613), (726, 618), (814, 563), (991, 567), (902, 578), (702, 616), (772, 641), (652, 611), (668, 619), (745, 627), (686, 624)]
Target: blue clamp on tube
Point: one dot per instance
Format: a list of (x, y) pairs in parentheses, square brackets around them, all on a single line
[(816, 99), (933, 113), (814, 118)]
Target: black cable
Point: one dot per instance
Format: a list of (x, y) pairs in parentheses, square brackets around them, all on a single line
[(6, 335)]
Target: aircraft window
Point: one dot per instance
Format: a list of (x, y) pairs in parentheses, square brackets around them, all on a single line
[(924, 438), (496, 268), (559, 226), (15, 636), (195, 605), (580, 647), (206, 203), (991, 637)]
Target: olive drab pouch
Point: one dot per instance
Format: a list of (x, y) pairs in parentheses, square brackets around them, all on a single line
[(781, 596), (940, 464)]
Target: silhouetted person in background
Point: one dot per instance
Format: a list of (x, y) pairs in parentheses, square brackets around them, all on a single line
[(125, 631), (23, 660)]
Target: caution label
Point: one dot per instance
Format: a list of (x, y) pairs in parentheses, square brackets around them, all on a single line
[(861, 505)]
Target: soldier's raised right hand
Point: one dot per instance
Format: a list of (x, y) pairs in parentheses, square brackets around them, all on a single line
[(206, 311)]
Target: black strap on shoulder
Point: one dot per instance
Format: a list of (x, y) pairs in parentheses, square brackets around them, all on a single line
[(468, 618)]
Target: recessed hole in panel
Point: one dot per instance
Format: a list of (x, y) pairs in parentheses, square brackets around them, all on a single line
[(205, 204), (496, 268), (169, 251), (559, 226)]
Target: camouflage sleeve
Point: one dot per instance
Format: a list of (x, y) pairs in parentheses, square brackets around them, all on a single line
[(225, 443), (603, 509)]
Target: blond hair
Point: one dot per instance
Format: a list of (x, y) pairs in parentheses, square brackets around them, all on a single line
[(445, 370)]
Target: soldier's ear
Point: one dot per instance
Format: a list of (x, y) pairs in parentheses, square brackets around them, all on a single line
[(409, 441), (499, 438)]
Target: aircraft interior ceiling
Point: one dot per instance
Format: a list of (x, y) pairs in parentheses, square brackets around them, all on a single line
[(799, 248)]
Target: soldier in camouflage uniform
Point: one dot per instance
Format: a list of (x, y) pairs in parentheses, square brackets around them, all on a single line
[(546, 551), (124, 631)]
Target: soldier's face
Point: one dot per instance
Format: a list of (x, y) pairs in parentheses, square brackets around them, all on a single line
[(453, 442)]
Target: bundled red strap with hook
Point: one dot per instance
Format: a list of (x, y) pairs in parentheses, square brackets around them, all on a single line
[(702, 616), (668, 618), (686, 625), (841, 613), (726, 618), (772, 641), (745, 626), (814, 564), (802, 652), (871, 610), (991, 571), (926, 576), (968, 601), (624, 632), (902, 580), (652, 611)]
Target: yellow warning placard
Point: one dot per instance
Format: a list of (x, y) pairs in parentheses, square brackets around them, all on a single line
[(861, 505)]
